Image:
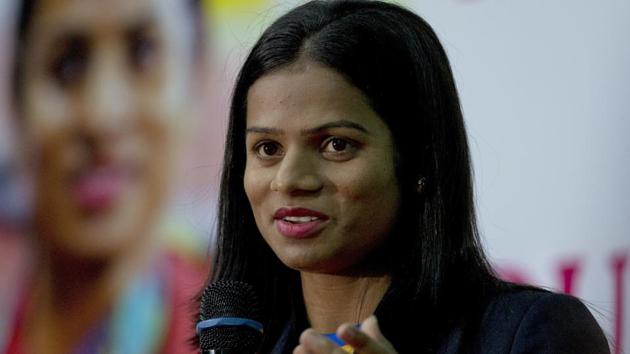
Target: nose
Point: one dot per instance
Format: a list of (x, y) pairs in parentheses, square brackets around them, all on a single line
[(298, 174), (107, 100)]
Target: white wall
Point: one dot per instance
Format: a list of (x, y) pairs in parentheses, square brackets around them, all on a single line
[(545, 87)]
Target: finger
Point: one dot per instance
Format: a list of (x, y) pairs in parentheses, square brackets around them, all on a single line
[(300, 350), (314, 343), (368, 340), (371, 328), (358, 339)]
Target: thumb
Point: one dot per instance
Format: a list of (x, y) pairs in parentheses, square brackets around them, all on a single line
[(368, 339), (371, 328)]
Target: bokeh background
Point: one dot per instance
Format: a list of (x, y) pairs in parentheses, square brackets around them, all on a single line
[(545, 89)]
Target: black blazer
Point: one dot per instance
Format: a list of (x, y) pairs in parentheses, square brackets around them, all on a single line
[(532, 321), (519, 321)]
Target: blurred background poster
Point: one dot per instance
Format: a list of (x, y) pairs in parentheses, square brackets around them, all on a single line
[(544, 89)]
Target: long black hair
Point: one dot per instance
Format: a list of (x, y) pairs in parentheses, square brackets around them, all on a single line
[(395, 58)]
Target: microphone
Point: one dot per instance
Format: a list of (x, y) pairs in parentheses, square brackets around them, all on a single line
[(230, 319)]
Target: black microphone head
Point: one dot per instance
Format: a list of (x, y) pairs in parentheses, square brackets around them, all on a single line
[(230, 299)]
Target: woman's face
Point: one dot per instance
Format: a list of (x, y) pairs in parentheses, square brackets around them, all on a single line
[(320, 169), (104, 84)]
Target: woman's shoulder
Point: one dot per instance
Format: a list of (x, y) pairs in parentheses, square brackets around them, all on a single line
[(517, 303), (523, 319)]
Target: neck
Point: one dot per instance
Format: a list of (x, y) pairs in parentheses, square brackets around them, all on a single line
[(331, 300)]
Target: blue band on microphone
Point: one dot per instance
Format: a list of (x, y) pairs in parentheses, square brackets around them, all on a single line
[(229, 322)]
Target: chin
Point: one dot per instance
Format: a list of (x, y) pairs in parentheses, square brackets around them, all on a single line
[(99, 245), (313, 265), (101, 238)]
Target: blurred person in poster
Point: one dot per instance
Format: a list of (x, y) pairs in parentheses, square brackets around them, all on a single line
[(101, 91)]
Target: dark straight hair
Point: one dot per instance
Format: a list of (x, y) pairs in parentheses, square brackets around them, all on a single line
[(396, 60)]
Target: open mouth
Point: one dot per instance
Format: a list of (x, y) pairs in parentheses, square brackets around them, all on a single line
[(299, 222), (299, 219)]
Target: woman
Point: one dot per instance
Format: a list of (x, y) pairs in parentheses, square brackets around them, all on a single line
[(100, 91), (347, 193)]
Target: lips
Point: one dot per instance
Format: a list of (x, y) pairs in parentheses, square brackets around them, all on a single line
[(96, 189), (299, 222)]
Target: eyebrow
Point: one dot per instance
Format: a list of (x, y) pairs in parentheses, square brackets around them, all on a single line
[(264, 130), (61, 32), (336, 124), (141, 23)]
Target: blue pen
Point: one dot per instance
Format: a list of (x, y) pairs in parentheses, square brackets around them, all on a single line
[(333, 337)]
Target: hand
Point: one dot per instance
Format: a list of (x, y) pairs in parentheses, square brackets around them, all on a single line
[(367, 340)]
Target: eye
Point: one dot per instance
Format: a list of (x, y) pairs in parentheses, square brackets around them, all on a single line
[(70, 64), (339, 148), (267, 149), (337, 144), (142, 50)]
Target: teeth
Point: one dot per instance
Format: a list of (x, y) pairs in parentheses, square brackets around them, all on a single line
[(300, 219)]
